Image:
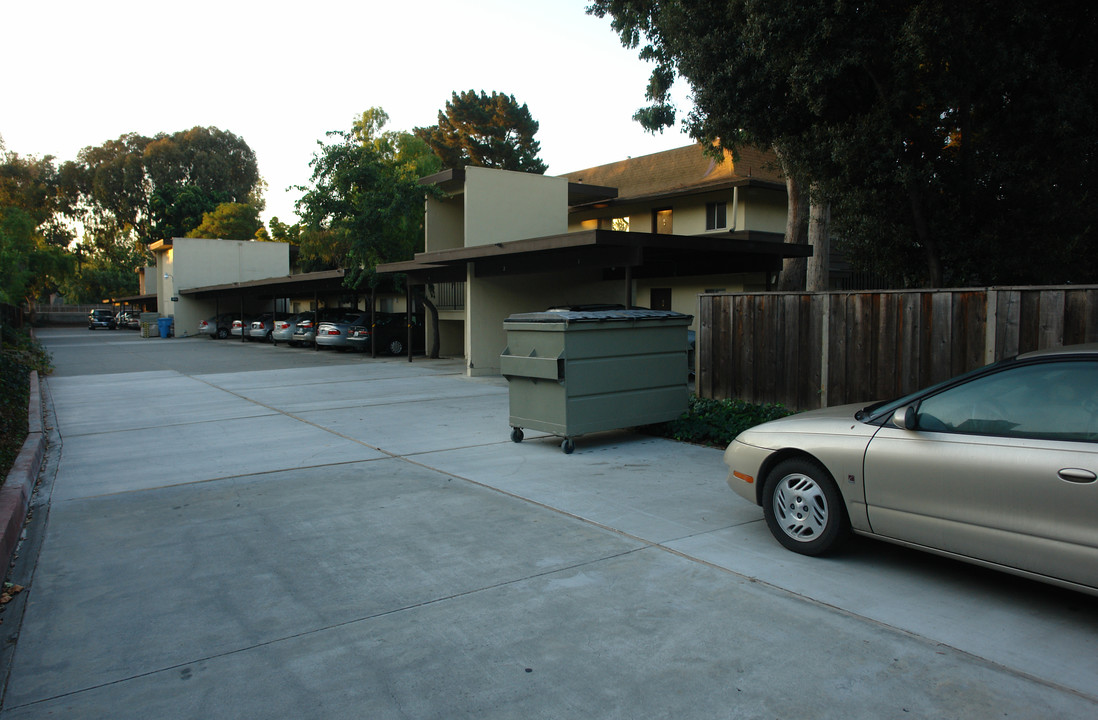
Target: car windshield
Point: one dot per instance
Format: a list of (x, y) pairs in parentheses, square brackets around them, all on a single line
[(883, 410)]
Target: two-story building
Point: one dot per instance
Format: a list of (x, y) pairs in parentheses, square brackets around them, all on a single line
[(183, 263), (652, 231)]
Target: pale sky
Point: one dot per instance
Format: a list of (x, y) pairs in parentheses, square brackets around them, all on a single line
[(80, 73)]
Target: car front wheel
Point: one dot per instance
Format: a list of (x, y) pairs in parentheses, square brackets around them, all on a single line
[(803, 507), (396, 347)]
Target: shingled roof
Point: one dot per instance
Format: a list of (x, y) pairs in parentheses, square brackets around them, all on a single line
[(677, 170)]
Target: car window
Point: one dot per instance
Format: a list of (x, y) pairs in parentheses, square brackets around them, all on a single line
[(1053, 401)]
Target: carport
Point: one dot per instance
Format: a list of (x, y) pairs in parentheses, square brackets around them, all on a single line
[(316, 283), (619, 257), (235, 295)]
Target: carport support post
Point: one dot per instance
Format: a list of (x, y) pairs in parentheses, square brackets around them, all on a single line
[(242, 317), (628, 287), (408, 315), (373, 323), (316, 318)]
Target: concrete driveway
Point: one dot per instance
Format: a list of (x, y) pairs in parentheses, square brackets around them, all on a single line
[(247, 531)]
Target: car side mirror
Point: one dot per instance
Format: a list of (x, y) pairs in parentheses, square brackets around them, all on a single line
[(904, 418)]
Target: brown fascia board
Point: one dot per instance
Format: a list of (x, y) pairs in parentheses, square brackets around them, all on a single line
[(581, 194), (302, 279), (683, 192), (577, 191), (743, 241), (443, 176)]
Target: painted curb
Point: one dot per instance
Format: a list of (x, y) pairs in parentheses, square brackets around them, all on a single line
[(19, 484)]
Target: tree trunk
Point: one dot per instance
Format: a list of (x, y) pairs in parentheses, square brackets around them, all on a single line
[(433, 352), (794, 270), (926, 239), (819, 237)]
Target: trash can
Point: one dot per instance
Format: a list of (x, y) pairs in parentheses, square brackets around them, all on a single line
[(150, 322), (165, 325), (572, 373)]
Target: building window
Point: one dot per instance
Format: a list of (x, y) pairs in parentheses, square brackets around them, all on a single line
[(661, 221), (716, 215), (620, 224)]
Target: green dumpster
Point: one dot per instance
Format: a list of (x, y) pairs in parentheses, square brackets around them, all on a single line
[(572, 373)]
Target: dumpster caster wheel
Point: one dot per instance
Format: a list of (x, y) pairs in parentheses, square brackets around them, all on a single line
[(568, 446), (516, 435)]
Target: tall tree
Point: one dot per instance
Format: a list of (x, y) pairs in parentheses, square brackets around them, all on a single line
[(106, 267), (33, 235), (956, 142), (160, 187), (485, 130), (230, 221), (364, 203)]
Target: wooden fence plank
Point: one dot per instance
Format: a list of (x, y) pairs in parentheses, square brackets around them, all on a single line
[(1009, 336), (769, 347), (1051, 322)]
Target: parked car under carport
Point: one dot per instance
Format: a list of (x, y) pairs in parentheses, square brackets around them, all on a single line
[(305, 331), (217, 326), (392, 334), (333, 333)]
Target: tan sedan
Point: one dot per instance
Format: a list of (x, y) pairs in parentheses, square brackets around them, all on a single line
[(998, 467)]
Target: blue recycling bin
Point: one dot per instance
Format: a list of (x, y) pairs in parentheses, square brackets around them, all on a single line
[(165, 325)]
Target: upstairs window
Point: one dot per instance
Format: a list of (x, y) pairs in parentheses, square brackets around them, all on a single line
[(716, 216), (620, 223)]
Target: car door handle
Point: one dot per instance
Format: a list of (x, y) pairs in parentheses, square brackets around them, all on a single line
[(1077, 475)]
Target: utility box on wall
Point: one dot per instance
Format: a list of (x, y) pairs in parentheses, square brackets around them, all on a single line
[(572, 373)]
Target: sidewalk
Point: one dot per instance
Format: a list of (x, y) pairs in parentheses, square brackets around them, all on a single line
[(241, 531)]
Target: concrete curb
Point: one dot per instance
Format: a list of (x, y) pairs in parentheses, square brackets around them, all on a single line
[(16, 492)]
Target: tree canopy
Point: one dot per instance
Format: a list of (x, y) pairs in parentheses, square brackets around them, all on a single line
[(230, 221), (365, 204), (33, 259), (161, 187), (484, 130), (120, 196), (956, 142)]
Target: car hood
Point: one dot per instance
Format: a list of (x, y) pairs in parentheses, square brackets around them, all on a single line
[(826, 421)]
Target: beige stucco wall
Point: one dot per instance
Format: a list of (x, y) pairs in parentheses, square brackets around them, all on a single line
[(763, 209), (444, 222), (198, 262), (501, 206), (755, 209), (491, 300), (685, 291)]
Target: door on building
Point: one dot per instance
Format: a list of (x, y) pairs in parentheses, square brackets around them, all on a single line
[(660, 299)]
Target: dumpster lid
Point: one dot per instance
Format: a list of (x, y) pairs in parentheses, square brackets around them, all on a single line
[(567, 317)]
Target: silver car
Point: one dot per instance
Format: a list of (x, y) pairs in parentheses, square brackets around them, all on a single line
[(997, 467), (217, 326), (238, 326), (263, 326), (284, 328), (334, 333), (305, 330)]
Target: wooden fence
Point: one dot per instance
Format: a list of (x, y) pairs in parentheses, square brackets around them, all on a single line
[(810, 350)]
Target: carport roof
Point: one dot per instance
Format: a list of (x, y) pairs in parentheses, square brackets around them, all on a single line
[(644, 254), (282, 286)]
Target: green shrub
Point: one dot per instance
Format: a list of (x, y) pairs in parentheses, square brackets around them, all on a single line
[(716, 422), (19, 354)]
